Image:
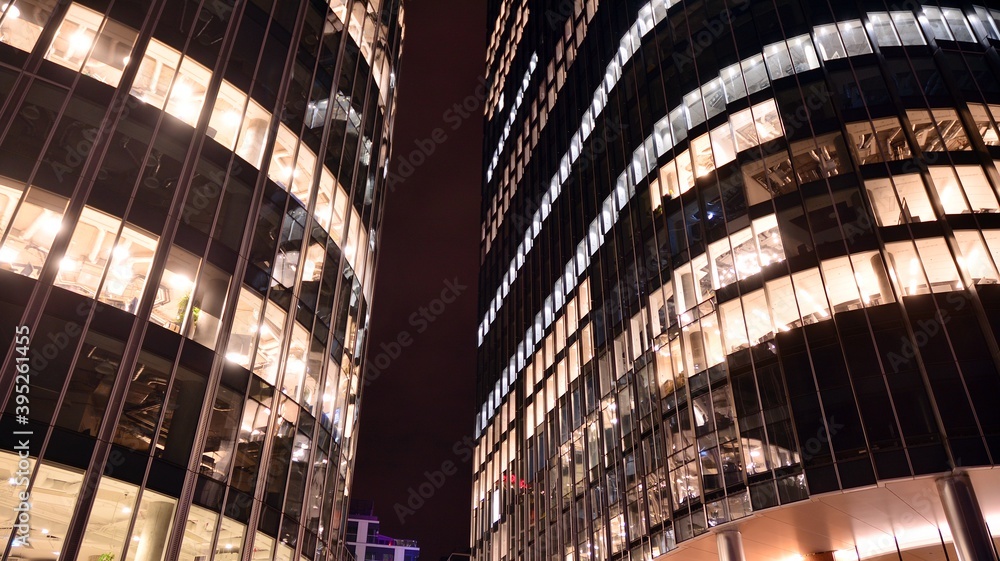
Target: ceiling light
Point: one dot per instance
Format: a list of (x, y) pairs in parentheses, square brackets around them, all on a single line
[(79, 41), (12, 13)]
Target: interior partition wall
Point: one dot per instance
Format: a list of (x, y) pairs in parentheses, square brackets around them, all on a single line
[(736, 254), (190, 203)]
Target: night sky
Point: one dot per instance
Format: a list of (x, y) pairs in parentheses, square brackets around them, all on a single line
[(417, 411)]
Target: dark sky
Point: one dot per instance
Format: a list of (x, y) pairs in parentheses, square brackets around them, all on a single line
[(416, 411)]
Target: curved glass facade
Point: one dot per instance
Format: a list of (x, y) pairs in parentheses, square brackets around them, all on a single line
[(190, 204), (736, 255)]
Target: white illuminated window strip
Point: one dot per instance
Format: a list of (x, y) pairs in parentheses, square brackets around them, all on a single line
[(782, 58)]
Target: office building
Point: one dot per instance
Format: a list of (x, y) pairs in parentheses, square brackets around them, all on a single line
[(190, 200), (739, 287)]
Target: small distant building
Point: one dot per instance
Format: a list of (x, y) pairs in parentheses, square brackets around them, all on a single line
[(367, 544)]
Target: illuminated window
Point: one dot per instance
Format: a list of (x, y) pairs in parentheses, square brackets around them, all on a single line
[(908, 28), (744, 130), (21, 22), (227, 115), (82, 267), (156, 72), (734, 329), (755, 73), (765, 116), (855, 38), (906, 272), (82, 43), (199, 533), (949, 190), (128, 269), (246, 325), (253, 134), (187, 93), (958, 24), (984, 124), (885, 31), (935, 19), (31, 230), (107, 525), (732, 82), (811, 296), (173, 303), (975, 257), (778, 61), (722, 145), (803, 53)]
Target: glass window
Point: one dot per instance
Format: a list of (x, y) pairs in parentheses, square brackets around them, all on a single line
[(245, 328), (695, 109), (156, 72), (209, 302), (984, 124), (935, 19), (976, 258), (107, 525), (678, 124), (855, 38), (173, 296), (734, 329), (829, 43), (765, 116), (22, 22), (227, 115), (661, 136), (253, 134), (915, 206), (89, 251), (977, 189), (77, 42), (53, 496), (198, 534), (282, 169), (883, 199), (984, 23), (128, 269), (701, 153), (778, 61), (939, 265), (744, 130), (811, 296), (783, 307), (755, 73), (873, 282), (949, 190), (732, 83), (906, 272), (803, 53), (187, 94), (722, 145), (908, 28), (885, 32), (841, 287), (152, 527), (269, 343), (230, 540), (714, 96), (758, 317), (958, 24), (32, 229)]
